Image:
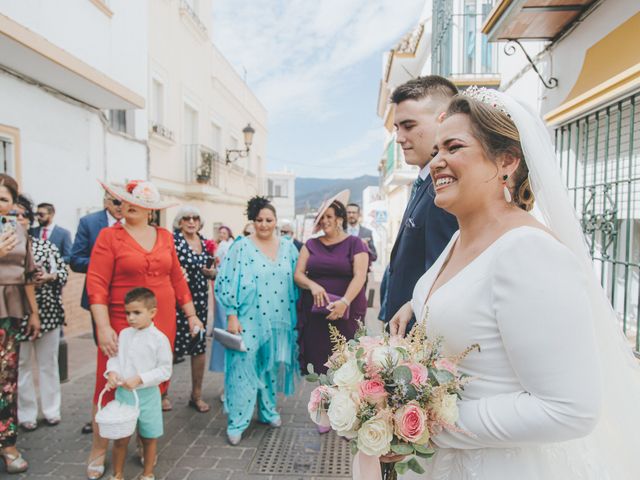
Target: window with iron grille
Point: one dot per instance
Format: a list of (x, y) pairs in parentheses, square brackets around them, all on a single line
[(599, 155)]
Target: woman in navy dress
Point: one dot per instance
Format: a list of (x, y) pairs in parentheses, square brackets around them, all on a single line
[(198, 264)]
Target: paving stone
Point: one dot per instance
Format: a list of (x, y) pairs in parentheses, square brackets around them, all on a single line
[(194, 445)]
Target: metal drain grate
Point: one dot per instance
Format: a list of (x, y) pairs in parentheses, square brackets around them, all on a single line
[(301, 451)]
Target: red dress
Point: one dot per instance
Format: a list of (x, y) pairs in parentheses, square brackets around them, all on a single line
[(118, 264)]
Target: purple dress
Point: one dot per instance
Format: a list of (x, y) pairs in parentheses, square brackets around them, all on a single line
[(332, 267)]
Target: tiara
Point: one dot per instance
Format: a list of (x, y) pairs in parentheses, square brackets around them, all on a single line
[(487, 96)]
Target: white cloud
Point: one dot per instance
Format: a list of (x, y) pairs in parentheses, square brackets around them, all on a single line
[(296, 51)]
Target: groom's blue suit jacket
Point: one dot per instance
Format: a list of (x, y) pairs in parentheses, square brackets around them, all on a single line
[(424, 233)]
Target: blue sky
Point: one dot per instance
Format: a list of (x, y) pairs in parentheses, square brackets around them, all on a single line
[(316, 65)]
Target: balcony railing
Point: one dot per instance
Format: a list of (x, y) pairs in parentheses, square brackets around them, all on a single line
[(202, 165), (162, 131)]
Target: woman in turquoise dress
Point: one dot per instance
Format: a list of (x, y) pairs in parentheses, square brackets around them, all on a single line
[(255, 286)]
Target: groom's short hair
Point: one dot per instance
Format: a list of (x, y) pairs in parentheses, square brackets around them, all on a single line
[(421, 87)]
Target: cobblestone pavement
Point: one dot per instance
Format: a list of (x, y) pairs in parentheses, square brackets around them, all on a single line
[(194, 444)]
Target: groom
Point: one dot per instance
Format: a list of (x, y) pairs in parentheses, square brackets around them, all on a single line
[(425, 229)]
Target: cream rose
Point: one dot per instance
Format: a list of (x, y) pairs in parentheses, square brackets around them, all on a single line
[(446, 408), (348, 375), (343, 413), (375, 435), (380, 356)]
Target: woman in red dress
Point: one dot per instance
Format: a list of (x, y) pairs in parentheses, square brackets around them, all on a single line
[(125, 256)]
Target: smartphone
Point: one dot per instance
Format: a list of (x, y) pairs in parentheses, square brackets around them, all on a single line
[(8, 223)]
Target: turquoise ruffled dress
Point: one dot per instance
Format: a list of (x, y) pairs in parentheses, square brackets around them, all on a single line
[(261, 292)]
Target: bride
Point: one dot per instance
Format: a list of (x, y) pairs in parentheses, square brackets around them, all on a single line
[(556, 390)]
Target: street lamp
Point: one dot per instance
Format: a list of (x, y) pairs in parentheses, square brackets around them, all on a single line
[(231, 155)]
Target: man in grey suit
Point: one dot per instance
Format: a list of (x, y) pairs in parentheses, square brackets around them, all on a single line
[(354, 228)]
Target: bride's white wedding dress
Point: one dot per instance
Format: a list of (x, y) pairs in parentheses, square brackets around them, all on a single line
[(537, 375), (532, 302)]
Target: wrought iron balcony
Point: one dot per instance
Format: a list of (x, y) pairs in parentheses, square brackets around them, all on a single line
[(202, 165), (162, 131)]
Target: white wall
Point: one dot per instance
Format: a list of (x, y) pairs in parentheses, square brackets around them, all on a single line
[(116, 46), (65, 149)]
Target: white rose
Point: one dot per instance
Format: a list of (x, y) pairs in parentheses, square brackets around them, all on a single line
[(380, 356), (348, 375), (343, 413), (374, 437), (446, 408)]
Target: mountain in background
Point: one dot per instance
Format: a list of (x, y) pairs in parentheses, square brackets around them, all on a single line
[(310, 192)]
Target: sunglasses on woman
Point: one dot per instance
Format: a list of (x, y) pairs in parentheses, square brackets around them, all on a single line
[(188, 218)]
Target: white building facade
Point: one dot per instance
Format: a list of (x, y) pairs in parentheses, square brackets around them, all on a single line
[(281, 190), (198, 108), (61, 73)]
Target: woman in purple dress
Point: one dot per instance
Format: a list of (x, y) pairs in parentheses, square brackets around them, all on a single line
[(331, 270)]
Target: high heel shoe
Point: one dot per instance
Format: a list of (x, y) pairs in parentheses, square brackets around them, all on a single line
[(14, 463), (94, 470)]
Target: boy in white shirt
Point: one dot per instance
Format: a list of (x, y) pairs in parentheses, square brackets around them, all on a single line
[(143, 362)]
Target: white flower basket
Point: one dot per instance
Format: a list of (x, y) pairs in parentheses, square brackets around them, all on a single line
[(117, 419)]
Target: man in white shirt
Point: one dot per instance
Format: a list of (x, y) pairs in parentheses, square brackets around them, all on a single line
[(354, 228)]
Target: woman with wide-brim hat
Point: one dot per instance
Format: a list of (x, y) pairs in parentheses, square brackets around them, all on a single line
[(331, 271), (125, 256)]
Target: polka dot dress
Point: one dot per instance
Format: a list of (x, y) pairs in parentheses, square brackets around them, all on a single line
[(193, 263), (49, 295)]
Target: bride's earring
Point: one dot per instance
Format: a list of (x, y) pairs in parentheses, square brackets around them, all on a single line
[(505, 189)]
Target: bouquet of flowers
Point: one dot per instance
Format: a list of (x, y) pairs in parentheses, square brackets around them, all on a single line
[(388, 395), (210, 247)]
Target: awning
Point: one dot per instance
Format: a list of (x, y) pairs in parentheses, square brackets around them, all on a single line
[(532, 19), (611, 68), (32, 55)]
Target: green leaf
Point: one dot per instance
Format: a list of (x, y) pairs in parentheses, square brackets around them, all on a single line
[(401, 467), (444, 376), (402, 449), (415, 466), (312, 377), (354, 447), (424, 449), (310, 368), (360, 353), (402, 374), (412, 393)]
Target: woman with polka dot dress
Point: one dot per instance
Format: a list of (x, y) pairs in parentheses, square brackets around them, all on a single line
[(255, 286), (198, 264), (42, 353)]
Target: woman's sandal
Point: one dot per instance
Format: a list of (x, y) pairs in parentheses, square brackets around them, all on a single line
[(14, 463), (167, 406), (94, 472), (199, 405)]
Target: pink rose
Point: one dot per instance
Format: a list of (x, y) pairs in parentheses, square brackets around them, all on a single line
[(410, 423), (446, 364), (372, 391), (317, 405), (419, 373), (369, 343)]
